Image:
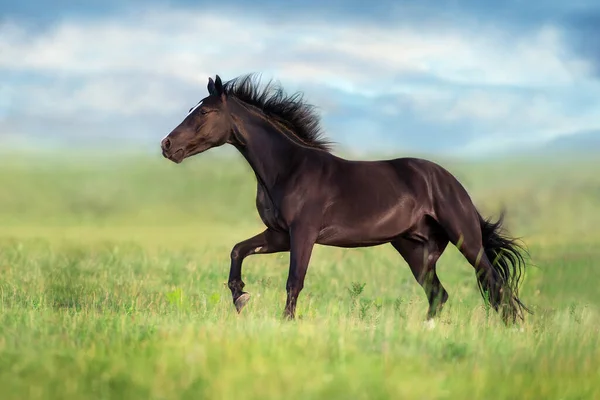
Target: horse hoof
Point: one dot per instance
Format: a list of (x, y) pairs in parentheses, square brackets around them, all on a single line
[(429, 324), (241, 301)]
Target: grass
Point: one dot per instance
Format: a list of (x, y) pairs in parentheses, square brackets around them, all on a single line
[(112, 285)]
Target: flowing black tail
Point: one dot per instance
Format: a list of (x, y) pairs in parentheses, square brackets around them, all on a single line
[(506, 257)]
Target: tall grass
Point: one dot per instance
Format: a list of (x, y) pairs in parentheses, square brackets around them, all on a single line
[(112, 285)]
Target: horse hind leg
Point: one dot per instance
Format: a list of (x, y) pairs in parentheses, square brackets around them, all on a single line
[(478, 241), (422, 257), (489, 281)]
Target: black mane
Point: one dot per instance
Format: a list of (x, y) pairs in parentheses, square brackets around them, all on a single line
[(290, 110)]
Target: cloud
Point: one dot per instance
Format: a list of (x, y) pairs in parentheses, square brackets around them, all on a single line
[(584, 28), (460, 85), (185, 45)]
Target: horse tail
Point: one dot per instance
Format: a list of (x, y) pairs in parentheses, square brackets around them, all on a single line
[(506, 256)]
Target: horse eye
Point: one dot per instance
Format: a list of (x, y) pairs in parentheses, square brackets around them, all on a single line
[(203, 112)]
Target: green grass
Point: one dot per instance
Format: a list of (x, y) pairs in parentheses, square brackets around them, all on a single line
[(112, 285)]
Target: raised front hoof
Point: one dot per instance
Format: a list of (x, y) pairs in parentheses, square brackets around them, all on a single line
[(241, 301)]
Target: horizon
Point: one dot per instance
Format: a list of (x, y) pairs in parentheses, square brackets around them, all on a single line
[(464, 80)]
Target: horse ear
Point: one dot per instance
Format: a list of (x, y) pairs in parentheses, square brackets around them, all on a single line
[(218, 85), (211, 86)]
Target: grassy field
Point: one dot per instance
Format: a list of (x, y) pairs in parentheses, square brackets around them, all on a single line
[(112, 285)]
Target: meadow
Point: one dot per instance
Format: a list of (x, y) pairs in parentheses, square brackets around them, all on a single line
[(113, 285)]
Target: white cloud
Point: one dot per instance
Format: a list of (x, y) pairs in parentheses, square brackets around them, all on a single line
[(133, 65), (502, 119), (103, 95), (191, 45)]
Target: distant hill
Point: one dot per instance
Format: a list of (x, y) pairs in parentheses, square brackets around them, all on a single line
[(588, 142), (569, 145)]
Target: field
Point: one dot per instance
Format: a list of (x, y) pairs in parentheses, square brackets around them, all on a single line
[(112, 285)]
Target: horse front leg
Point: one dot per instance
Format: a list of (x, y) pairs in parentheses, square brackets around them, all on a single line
[(302, 241), (267, 242)]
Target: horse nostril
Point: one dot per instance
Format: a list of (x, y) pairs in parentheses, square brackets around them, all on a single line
[(166, 144)]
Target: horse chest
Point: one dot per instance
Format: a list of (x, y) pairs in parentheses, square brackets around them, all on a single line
[(267, 211)]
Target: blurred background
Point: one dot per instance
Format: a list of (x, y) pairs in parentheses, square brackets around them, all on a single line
[(505, 94), (460, 78)]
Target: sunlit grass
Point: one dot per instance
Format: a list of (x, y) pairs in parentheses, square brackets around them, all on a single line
[(112, 285)]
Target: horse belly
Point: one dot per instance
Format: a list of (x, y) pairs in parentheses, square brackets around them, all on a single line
[(368, 228)]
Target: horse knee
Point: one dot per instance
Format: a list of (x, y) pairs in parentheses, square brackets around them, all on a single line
[(235, 252), (294, 285)]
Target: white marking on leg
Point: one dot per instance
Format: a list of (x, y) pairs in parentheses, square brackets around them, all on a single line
[(256, 250)]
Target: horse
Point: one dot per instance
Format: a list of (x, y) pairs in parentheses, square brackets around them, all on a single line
[(306, 196)]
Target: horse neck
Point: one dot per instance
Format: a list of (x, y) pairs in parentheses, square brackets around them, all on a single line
[(270, 153)]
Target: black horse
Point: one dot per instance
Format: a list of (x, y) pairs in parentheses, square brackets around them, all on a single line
[(308, 196)]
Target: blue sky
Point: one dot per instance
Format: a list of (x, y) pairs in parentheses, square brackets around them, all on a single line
[(462, 77)]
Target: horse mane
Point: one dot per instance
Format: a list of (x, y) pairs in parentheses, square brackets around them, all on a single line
[(291, 111)]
